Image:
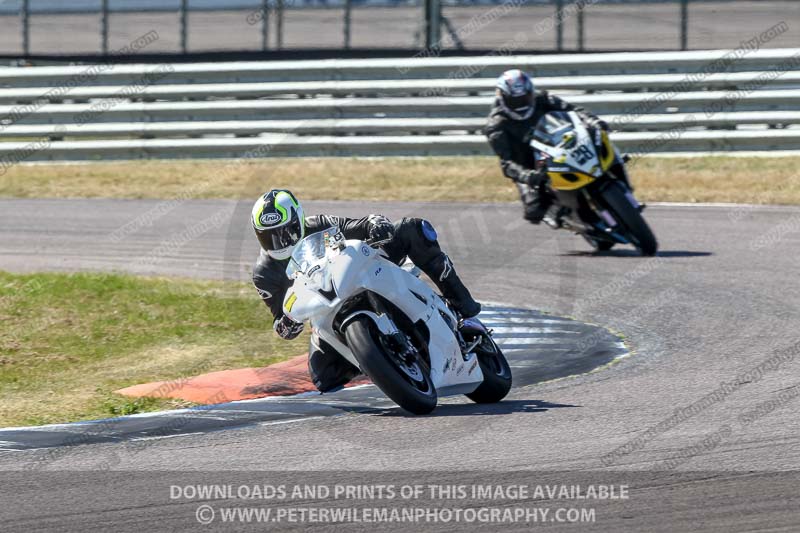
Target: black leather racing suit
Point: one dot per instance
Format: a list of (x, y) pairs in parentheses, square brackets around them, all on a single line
[(413, 238), (509, 139)]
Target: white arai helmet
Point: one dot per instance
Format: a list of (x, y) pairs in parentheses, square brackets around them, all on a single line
[(515, 93), (279, 223)]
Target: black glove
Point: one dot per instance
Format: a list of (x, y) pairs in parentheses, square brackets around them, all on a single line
[(381, 229), (286, 328), (535, 178)]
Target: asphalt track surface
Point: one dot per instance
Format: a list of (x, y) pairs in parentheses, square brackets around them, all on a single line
[(700, 421)]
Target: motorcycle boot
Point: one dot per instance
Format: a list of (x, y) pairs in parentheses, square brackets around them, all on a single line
[(440, 270), (555, 216), (536, 202)]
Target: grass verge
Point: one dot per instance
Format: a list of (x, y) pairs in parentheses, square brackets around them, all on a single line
[(69, 340), (452, 179)]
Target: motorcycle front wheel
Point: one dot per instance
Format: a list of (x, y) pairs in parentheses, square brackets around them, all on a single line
[(409, 385), (631, 219), (598, 245)]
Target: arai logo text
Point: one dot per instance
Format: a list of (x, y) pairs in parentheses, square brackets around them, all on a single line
[(270, 219)]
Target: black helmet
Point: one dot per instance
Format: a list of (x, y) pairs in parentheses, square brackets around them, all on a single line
[(279, 222), (515, 91)]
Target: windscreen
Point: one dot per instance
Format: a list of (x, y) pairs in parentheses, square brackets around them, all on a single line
[(312, 250), (552, 128)]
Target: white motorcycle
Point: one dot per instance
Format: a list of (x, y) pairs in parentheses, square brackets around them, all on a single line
[(391, 325)]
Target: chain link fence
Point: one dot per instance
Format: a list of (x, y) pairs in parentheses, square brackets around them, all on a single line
[(52, 27)]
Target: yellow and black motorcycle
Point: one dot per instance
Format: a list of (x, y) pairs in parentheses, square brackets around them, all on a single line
[(589, 181)]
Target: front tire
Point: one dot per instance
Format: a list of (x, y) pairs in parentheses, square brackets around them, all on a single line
[(411, 387), (631, 219), (597, 244), (496, 374)]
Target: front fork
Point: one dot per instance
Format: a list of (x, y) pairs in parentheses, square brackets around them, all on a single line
[(403, 345), (626, 180), (398, 341), (608, 224)]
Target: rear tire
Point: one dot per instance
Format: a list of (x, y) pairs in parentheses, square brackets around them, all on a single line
[(631, 219), (496, 374), (415, 396)]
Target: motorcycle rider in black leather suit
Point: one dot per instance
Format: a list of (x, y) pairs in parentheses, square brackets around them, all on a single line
[(516, 111), (280, 223)]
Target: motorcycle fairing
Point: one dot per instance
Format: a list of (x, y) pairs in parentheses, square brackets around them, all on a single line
[(358, 268)]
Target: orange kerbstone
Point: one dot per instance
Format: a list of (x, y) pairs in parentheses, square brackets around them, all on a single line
[(281, 379)]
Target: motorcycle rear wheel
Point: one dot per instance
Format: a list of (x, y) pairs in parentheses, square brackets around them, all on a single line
[(415, 395), (496, 374)]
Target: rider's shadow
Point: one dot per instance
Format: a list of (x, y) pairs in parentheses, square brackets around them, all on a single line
[(504, 407)]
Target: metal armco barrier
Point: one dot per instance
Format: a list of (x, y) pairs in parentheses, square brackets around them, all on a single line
[(711, 101)]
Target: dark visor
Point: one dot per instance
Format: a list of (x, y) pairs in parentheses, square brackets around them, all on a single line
[(519, 102), (280, 237)]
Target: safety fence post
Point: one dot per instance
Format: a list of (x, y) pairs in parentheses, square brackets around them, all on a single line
[(684, 24), (264, 24), (433, 24), (348, 8), (104, 26), (184, 25), (279, 24), (24, 14), (559, 26)]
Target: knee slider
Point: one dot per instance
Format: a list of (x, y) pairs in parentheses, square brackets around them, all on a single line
[(418, 230), (428, 231)]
